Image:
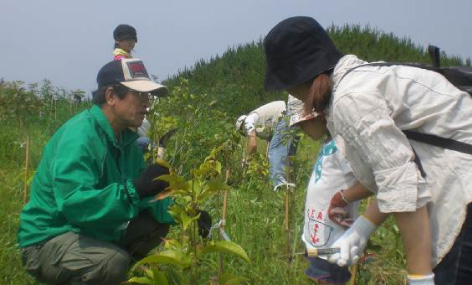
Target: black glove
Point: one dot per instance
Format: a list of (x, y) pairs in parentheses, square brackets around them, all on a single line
[(146, 185), (204, 224), (165, 137)]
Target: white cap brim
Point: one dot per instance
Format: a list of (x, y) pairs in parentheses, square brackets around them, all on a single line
[(147, 85), (296, 119)]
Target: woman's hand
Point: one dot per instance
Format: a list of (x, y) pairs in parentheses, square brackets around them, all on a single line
[(338, 210)]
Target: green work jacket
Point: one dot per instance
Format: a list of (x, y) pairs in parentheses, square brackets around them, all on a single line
[(84, 183)]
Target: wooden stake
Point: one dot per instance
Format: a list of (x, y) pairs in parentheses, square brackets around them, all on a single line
[(214, 280), (288, 192), (355, 268), (25, 198), (225, 197), (223, 217), (287, 223)]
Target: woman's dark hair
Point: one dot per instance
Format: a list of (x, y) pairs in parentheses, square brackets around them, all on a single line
[(98, 96), (319, 94), (124, 32)]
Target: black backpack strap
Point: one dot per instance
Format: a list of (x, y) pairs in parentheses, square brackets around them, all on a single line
[(439, 141), (464, 77), (418, 163)]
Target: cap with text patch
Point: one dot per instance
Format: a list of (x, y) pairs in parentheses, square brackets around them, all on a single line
[(131, 73)]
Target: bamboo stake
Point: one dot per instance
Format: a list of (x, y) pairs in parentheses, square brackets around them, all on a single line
[(288, 192), (214, 280), (25, 198), (223, 217), (355, 267), (287, 222), (243, 160)]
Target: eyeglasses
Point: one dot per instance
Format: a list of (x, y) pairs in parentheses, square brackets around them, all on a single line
[(142, 95)]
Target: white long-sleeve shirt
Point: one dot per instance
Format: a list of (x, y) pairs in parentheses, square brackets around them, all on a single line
[(370, 107), (330, 174), (264, 119)]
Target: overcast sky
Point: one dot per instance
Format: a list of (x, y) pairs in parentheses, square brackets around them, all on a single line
[(68, 41)]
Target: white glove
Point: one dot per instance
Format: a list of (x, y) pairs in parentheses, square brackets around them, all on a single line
[(353, 242), (421, 279)]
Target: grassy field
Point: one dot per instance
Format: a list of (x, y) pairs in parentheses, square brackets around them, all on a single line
[(204, 103), (12, 186), (255, 220)]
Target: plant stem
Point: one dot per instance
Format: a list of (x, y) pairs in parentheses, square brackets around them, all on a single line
[(26, 168)]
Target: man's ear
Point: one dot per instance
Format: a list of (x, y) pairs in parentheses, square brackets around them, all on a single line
[(110, 96)]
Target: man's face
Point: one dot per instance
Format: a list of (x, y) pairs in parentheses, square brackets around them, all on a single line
[(130, 111)]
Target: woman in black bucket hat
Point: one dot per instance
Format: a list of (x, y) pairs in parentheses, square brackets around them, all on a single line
[(367, 108)]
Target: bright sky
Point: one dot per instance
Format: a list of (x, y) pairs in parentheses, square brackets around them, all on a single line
[(68, 41)]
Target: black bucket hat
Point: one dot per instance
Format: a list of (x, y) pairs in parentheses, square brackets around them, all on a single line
[(297, 50), (125, 32)]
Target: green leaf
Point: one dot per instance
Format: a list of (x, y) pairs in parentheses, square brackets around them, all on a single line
[(175, 211), (226, 246), (180, 185), (230, 279), (186, 220), (159, 277), (216, 185), (139, 280), (171, 178), (211, 188), (166, 257), (162, 162), (218, 166)]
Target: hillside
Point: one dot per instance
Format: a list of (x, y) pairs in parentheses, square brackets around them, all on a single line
[(236, 78)]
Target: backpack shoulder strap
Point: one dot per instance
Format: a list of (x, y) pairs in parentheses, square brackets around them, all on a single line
[(424, 138), (439, 141)]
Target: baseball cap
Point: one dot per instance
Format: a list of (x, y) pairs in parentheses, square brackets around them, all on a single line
[(240, 121), (131, 73), (296, 111), (297, 50)]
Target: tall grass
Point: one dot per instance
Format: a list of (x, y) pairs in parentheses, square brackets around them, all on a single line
[(12, 185), (217, 92)]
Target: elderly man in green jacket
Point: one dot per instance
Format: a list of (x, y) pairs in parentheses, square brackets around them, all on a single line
[(89, 213)]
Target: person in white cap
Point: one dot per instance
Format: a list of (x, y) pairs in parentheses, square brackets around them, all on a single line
[(326, 218), (89, 213), (267, 123)]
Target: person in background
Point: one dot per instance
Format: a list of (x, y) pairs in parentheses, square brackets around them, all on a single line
[(89, 214), (327, 212), (144, 141), (125, 39), (367, 107), (267, 123)]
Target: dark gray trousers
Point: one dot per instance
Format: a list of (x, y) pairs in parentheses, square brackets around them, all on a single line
[(73, 259)]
